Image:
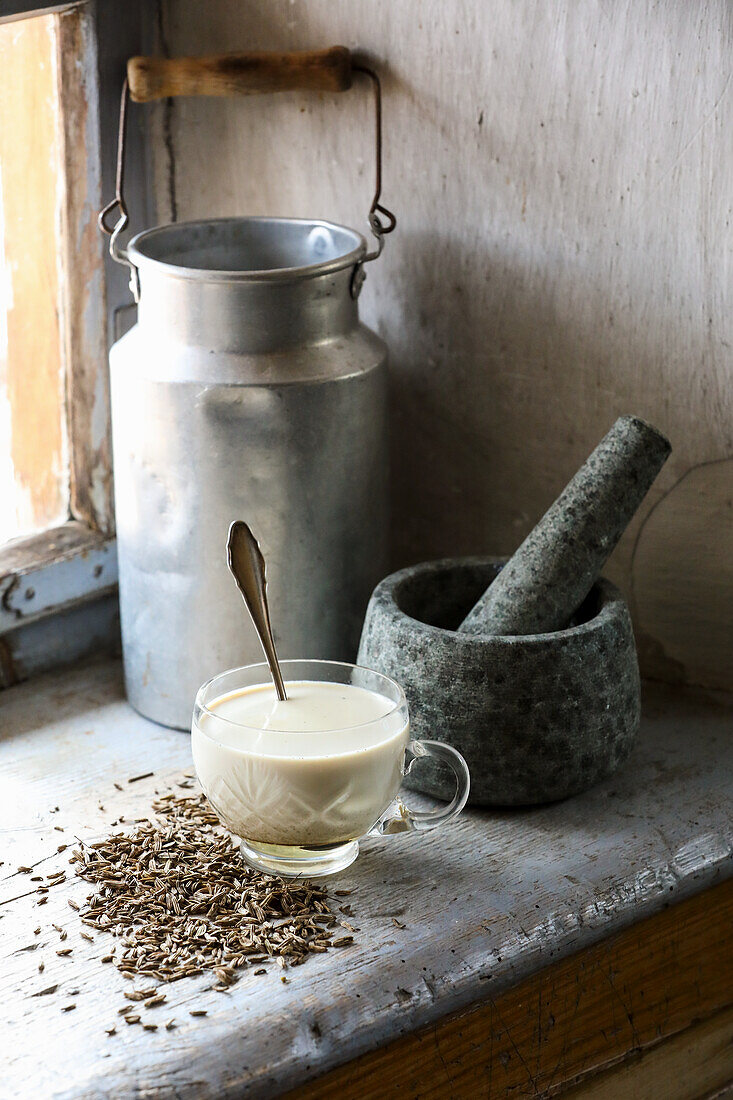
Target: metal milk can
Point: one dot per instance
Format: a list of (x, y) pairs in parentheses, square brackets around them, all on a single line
[(247, 389)]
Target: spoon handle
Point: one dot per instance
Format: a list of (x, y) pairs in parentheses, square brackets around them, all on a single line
[(247, 565)]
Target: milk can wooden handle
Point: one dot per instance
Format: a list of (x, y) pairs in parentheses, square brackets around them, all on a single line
[(329, 70), (239, 74)]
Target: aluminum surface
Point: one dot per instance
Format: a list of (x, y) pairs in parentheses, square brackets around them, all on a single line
[(248, 391)]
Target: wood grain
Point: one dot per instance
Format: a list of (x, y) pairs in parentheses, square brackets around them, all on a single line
[(570, 1019), (560, 176), (239, 74), (447, 919), (83, 281), (696, 1063)]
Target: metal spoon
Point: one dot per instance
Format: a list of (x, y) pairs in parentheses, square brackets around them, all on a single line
[(247, 565)]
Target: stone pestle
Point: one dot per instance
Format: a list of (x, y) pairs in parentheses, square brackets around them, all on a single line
[(554, 569)]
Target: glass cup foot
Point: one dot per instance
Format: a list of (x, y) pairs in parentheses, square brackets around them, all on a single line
[(295, 861)]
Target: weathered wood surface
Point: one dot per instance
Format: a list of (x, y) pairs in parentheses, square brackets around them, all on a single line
[(58, 601), (83, 281), (560, 175), (569, 1021), (696, 1063), (56, 346), (486, 903)]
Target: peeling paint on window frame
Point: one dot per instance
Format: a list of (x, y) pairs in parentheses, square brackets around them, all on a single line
[(58, 597)]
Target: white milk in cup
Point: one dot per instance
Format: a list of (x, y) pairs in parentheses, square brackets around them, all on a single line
[(300, 781)]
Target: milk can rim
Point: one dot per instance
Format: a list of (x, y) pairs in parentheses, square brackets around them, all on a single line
[(278, 274)]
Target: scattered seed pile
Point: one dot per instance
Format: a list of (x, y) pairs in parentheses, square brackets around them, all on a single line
[(181, 901)]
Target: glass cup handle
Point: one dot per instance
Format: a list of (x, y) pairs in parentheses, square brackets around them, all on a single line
[(399, 818)]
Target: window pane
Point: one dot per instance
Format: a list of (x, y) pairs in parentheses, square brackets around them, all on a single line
[(34, 478)]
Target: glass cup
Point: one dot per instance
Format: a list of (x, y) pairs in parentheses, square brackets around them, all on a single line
[(300, 801)]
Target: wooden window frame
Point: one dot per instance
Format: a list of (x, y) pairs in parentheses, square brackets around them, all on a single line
[(67, 570)]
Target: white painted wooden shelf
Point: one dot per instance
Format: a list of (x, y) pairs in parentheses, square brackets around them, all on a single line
[(485, 903)]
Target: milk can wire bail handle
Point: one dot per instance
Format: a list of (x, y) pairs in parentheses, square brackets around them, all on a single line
[(379, 228), (116, 251), (150, 78)]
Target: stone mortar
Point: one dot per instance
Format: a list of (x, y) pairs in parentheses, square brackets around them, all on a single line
[(537, 717)]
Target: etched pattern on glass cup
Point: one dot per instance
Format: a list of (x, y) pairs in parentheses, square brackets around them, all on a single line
[(300, 782)]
